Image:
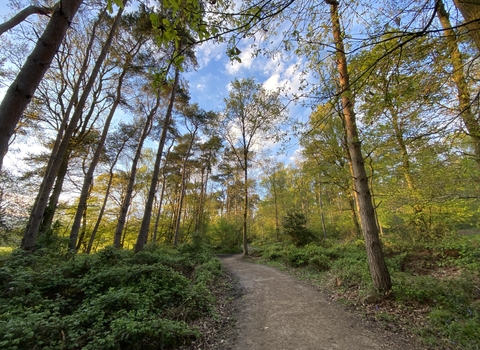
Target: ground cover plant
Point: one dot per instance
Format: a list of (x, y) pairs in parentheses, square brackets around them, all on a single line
[(114, 299), (436, 286)]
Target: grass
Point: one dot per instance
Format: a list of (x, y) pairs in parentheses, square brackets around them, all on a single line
[(436, 285)]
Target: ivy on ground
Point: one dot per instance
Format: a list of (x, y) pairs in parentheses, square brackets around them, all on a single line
[(114, 299)]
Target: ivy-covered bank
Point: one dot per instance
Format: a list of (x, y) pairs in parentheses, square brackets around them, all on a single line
[(114, 299)]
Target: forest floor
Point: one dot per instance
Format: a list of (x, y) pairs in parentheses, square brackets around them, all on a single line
[(270, 309)]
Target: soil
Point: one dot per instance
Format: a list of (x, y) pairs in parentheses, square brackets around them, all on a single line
[(272, 310)]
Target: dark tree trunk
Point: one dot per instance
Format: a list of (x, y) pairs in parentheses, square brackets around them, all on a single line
[(88, 180)]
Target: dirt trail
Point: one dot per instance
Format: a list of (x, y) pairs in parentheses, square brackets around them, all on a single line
[(279, 312)]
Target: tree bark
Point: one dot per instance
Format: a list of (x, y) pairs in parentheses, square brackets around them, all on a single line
[(470, 10), (162, 194), (23, 87), (49, 213), (378, 267), (36, 216), (458, 76), (143, 234)]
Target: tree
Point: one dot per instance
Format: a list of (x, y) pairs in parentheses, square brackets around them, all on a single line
[(470, 10), (143, 234), (23, 87), (42, 198), (378, 267), (458, 76), (251, 113)]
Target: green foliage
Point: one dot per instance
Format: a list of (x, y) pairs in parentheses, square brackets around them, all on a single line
[(226, 235), (295, 226), (111, 300)]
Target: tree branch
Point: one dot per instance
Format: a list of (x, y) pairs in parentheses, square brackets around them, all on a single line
[(23, 14)]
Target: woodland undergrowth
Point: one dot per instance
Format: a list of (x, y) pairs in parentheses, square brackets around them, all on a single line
[(436, 286), (114, 299)]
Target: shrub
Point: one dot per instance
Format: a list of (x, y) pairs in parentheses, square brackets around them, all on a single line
[(111, 300), (295, 226)]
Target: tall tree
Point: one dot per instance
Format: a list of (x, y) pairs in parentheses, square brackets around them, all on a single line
[(378, 267), (23, 87), (41, 202), (251, 113), (470, 10), (458, 76), (143, 234)]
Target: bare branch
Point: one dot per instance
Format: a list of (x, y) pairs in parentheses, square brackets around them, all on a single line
[(23, 14)]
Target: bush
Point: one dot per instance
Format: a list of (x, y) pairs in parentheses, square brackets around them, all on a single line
[(295, 226), (111, 300)]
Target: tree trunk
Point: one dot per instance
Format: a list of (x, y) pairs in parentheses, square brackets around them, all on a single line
[(470, 10), (245, 205), (143, 234), (23, 87), (162, 194), (133, 173), (182, 190), (378, 267), (88, 180), (458, 76), (102, 211), (49, 213), (36, 216), (52, 205)]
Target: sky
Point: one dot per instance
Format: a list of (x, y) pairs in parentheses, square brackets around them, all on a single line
[(209, 82)]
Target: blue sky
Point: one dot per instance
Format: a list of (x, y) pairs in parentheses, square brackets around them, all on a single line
[(209, 83)]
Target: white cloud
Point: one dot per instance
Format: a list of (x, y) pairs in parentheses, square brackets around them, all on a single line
[(247, 61), (209, 51)]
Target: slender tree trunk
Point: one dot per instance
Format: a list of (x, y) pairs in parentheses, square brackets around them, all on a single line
[(162, 194), (52, 205), (275, 202), (23, 87), (378, 267), (88, 180), (143, 234), (458, 76), (42, 198), (102, 211), (182, 191), (320, 199), (53, 202), (353, 211), (133, 173), (470, 10), (245, 204)]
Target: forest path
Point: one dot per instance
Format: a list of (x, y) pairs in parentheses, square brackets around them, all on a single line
[(279, 312)]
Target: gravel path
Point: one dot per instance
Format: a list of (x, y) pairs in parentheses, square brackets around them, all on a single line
[(279, 312)]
